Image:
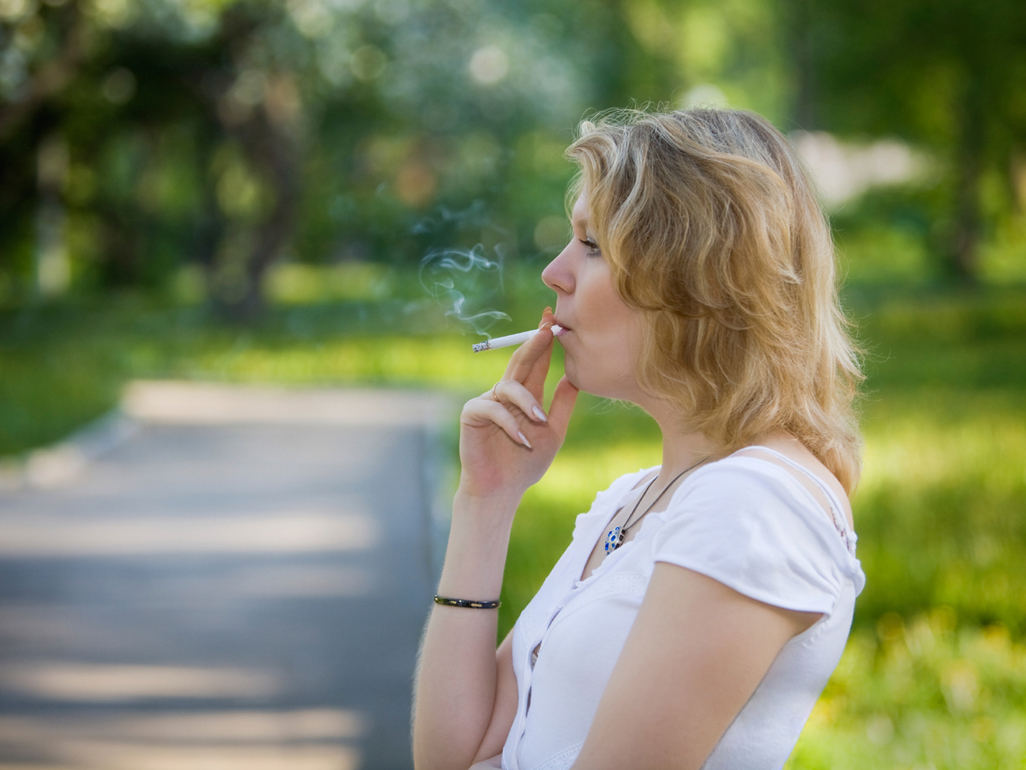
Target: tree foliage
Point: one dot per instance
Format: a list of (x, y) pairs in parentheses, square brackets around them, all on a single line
[(138, 136), (231, 133), (949, 75)]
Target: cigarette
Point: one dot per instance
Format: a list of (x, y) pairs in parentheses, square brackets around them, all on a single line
[(510, 339)]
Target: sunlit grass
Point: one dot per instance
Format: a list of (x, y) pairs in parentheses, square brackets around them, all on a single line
[(941, 507), (934, 437), (60, 372), (923, 693), (435, 361)]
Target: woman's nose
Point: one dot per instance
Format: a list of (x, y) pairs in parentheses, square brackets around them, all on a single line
[(557, 274)]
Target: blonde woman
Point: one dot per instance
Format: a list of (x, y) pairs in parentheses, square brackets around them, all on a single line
[(704, 603)]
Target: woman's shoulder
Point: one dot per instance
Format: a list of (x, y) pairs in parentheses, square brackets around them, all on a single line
[(792, 457), (752, 525), (767, 476), (751, 529)]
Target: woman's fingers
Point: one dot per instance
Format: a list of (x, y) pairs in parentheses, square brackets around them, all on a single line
[(562, 407), (493, 408), (482, 411), (514, 393), (531, 359), (522, 386), (535, 380)]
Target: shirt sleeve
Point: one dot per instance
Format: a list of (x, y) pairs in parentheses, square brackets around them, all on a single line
[(758, 532)]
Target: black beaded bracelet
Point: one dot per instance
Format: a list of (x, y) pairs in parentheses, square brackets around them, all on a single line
[(467, 603)]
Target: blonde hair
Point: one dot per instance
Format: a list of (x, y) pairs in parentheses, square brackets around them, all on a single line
[(712, 230)]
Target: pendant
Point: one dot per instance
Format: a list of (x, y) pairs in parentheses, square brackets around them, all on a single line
[(614, 539)]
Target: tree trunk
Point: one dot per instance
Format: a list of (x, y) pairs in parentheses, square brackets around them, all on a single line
[(798, 37), (962, 257), (281, 160), (50, 78), (270, 143)]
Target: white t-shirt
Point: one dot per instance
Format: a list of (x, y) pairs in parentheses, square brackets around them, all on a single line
[(744, 521)]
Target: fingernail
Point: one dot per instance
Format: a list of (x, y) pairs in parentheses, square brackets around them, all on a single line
[(523, 438), (539, 414)]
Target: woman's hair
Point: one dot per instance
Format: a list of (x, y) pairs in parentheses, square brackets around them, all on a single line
[(711, 228)]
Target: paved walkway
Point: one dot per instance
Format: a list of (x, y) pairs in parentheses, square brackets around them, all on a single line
[(221, 578)]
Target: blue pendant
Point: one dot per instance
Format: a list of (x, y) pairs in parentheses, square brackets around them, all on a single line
[(614, 538)]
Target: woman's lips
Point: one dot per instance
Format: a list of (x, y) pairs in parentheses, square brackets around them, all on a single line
[(563, 329)]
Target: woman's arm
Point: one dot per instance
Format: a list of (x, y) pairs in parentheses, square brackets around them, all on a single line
[(458, 673), (505, 710), (693, 658), (504, 704), (465, 689)]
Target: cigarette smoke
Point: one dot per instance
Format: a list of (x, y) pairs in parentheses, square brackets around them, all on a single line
[(474, 216), (464, 282), (450, 275)]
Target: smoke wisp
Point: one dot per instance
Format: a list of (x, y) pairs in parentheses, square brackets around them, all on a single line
[(451, 275)]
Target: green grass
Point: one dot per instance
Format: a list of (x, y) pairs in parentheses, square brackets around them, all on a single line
[(934, 675), (931, 692), (62, 367)]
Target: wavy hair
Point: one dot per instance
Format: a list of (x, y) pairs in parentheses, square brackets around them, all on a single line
[(712, 229)]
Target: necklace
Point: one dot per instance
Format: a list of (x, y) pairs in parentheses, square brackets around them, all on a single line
[(615, 536)]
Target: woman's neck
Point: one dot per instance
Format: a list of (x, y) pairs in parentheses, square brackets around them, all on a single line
[(681, 452), (683, 446)]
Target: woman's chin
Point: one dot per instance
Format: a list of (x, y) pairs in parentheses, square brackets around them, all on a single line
[(589, 385), (583, 382), (572, 373), (603, 381)]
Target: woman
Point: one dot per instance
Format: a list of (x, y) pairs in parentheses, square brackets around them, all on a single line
[(703, 604)]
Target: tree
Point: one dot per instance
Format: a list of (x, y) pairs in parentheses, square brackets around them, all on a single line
[(117, 86), (235, 132), (947, 74)]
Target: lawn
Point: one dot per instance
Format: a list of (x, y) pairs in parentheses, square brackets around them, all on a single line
[(934, 675)]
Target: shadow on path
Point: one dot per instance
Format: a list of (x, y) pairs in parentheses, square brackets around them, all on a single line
[(239, 580)]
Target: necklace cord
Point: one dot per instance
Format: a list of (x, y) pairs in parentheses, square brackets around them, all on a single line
[(614, 539)]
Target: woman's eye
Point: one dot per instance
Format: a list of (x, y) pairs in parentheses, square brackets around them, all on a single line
[(593, 249)]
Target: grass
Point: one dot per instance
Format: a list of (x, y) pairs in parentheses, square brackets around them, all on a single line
[(930, 692), (934, 676)]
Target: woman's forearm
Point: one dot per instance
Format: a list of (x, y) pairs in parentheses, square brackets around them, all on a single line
[(456, 676)]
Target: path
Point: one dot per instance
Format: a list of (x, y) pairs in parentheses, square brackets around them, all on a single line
[(221, 578)]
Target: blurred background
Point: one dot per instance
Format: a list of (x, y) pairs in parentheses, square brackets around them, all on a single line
[(350, 192)]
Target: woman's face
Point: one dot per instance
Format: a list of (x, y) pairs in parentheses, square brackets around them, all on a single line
[(603, 335)]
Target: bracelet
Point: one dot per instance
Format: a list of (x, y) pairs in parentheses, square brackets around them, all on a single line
[(467, 603)]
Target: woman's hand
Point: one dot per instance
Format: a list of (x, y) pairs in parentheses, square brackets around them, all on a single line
[(507, 441)]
